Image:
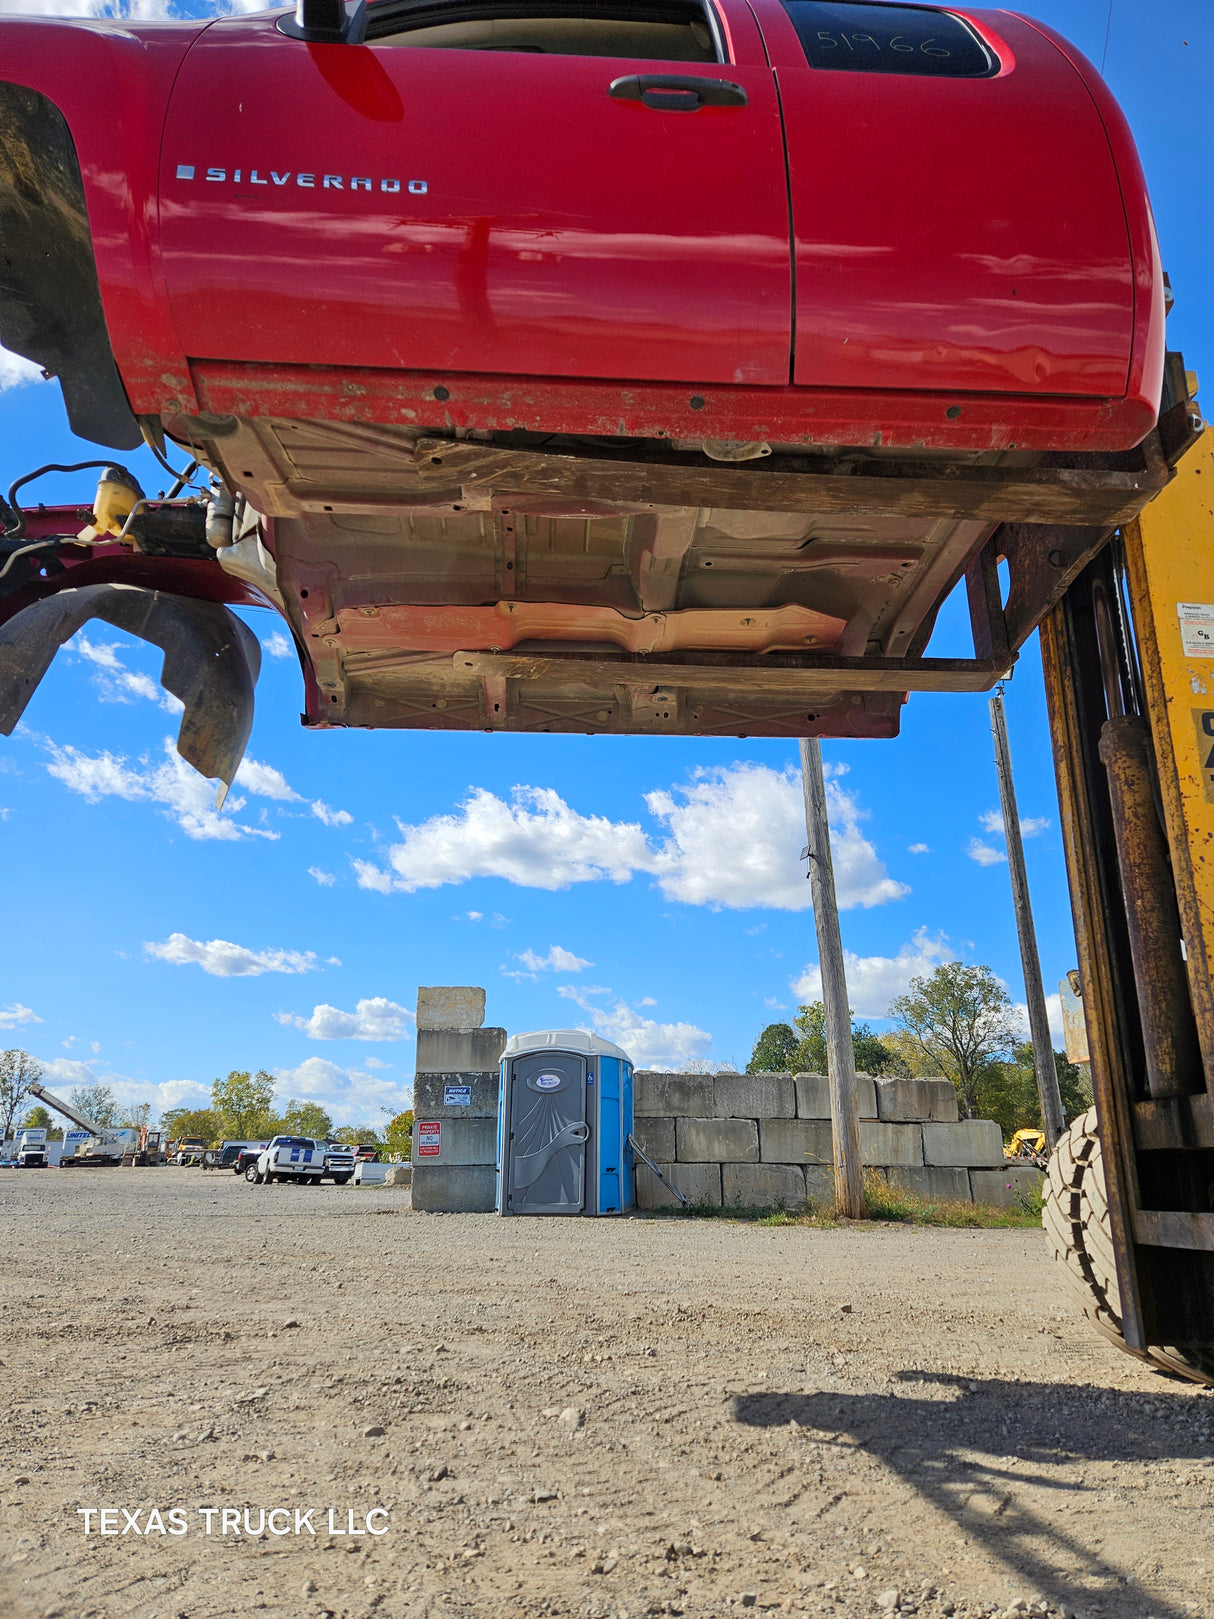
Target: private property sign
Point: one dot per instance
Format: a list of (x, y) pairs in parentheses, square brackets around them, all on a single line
[(429, 1137)]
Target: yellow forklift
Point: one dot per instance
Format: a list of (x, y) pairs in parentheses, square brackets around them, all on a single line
[(1128, 653)]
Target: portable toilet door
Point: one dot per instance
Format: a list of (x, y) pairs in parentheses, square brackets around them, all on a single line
[(563, 1129)]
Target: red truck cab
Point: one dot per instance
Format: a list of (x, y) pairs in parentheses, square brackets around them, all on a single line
[(539, 342)]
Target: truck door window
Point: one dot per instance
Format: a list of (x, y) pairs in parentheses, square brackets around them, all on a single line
[(661, 30), (858, 37)]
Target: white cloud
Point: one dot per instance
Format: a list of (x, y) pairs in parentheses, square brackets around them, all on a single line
[(873, 981), (558, 960), (650, 1044), (115, 682), (536, 841), (375, 1062), (265, 780), (917, 848), (330, 817), (1030, 825), (15, 372), (278, 645), (475, 916), (735, 836), (65, 1073), (186, 796), (350, 1095), (374, 1018), (326, 879), (14, 1014), (222, 959), (984, 854), (732, 839), (1053, 1012)]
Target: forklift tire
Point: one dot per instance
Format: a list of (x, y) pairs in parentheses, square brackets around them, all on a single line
[(1075, 1215), (340, 1180)]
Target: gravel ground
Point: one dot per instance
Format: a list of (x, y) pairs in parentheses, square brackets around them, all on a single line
[(605, 1419)]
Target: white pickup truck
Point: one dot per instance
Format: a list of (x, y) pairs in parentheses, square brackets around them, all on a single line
[(301, 1160)]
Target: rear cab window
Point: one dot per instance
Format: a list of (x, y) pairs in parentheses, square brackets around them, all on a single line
[(654, 30), (858, 36)]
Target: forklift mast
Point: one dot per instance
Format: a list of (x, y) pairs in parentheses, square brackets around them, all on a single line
[(1128, 656)]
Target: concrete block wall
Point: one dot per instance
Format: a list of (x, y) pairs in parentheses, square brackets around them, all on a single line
[(454, 1050), (764, 1140)]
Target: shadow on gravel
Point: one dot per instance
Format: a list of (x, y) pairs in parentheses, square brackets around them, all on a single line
[(955, 1453)]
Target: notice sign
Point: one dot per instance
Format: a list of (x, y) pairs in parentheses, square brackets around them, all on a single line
[(429, 1137), (1196, 628), (457, 1096)]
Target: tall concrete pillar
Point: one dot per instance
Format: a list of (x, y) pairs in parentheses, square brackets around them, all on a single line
[(455, 1102)]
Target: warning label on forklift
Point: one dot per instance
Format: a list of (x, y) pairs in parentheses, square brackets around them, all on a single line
[(429, 1136), (1203, 724), (1196, 628)]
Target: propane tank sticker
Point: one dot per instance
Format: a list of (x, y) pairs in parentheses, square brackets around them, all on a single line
[(1203, 724), (429, 1138), (1196, 628)]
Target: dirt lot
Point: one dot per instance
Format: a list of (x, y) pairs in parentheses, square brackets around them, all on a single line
[(593, 1418)]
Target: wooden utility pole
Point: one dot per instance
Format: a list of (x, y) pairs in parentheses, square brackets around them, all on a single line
[(1053, 1120), (840, 1055)]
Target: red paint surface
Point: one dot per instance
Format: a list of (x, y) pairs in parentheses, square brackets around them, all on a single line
[(984, 242), (562, 232), (955, 233)]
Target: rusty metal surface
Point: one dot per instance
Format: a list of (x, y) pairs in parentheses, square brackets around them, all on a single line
[(1074, 701), (211, 662), (1074, 1028), (1169, 1035)]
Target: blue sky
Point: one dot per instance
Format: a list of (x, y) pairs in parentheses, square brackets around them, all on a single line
[(649, 888)]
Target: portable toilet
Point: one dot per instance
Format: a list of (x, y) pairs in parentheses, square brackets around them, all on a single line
[(563, 1125)]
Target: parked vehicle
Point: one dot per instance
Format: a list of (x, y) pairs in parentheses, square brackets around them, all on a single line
[(31, 1150), (299, 1159), (102, 1144), (339, 1162), (189, 1150), (238, 1155)]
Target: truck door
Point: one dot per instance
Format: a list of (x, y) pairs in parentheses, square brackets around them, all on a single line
[(546, 1131), (597, 193), (957, 218)]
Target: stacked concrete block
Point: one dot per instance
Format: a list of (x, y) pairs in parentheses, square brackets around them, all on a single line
[(764, 1140), (455, 1102)]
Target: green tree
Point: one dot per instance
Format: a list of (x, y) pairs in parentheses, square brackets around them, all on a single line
[(398, 1134), (135, 1115), (18, 1071), (39, 1119), (96, 1102), (775, 1051), (959, 1020), (306, 1119), (192, 1121), (354, 1134), (245, 1103), (802, 1049)]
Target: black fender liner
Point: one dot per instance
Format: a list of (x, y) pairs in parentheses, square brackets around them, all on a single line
[(50, 302), (211, 662)]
